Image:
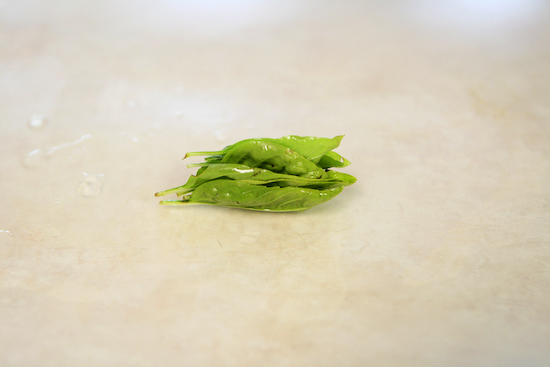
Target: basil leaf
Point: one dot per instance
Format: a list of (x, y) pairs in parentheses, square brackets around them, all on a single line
[(258, 176), (333, 159), (239, 194)]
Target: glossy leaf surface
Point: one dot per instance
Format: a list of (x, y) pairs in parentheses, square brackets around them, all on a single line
[(312, 148), (258, 176), (333, 159), (240, 194), (274, 157)]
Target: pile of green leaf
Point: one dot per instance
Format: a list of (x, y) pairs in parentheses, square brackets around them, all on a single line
[(292, 173)]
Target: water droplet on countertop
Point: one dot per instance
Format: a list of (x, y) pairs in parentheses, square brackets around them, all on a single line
[(35, 158), (37, 121), (39, 156), (135, 140), (131, 104), (91, 185), (8, 242)]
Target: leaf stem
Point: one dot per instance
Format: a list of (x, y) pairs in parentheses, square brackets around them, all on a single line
[(180, 190), (197, 154), (203, 164)]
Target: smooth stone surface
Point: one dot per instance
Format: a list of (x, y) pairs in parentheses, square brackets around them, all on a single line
[(438, 256)]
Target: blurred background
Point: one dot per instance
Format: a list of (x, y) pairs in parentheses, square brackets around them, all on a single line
[(438, 255)]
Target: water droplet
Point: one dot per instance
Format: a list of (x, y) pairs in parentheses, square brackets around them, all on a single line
[(37, 121), (131, 104), (178, 114), (8, 242), (91, 185), (80, 140), (35, 158), (39, 156), (135, 140)]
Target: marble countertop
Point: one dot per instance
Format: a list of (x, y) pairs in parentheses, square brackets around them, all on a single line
[(438, 256)]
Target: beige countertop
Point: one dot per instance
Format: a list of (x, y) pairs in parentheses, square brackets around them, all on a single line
[(438, 256)]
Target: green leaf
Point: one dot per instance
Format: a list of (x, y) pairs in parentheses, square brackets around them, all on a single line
[(240, 194), (258, 176), (274, 157), (333, 159), (312, 148)]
